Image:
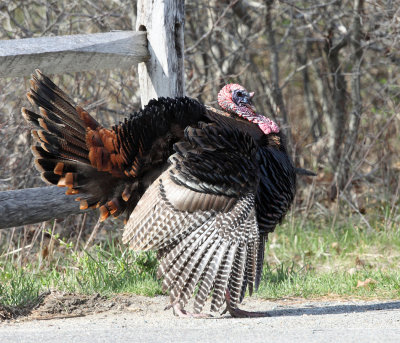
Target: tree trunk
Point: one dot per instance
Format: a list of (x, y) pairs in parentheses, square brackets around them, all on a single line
[(343, 172)]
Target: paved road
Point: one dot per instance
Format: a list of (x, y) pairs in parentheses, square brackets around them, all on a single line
[(290, 321)]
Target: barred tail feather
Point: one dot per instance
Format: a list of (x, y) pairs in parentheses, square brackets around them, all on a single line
[(191, 270), (244, 288), (251, 261), (181, 254), (250, 271), (260, 261), (63, 152)]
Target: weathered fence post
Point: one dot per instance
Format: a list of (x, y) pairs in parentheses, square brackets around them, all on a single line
[(161, 75)]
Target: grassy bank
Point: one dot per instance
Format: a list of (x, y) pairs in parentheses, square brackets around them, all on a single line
[(314, 259)]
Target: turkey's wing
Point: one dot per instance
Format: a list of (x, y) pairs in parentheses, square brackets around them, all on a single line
[(200, 216)]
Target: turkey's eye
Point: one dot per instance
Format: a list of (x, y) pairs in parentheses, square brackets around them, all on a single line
[(239, 93)]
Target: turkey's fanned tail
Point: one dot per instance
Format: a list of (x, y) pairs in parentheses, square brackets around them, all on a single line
[(72, 150), (108, 168)]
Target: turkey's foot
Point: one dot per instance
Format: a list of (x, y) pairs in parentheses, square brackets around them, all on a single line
[(181, 313), (237, 312)]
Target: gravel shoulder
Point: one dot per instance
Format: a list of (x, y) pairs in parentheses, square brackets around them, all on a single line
[(142, 319)]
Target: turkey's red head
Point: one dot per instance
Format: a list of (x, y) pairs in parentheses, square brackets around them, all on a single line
[(236, 99)]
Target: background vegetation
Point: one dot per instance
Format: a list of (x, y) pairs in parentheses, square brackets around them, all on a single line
[(327, 72)]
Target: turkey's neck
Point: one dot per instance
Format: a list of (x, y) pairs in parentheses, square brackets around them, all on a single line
[(265, 124)]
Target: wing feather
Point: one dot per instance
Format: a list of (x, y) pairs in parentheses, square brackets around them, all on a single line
[(205, 229)]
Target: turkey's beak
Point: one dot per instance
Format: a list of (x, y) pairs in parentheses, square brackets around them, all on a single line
[(251, 95)]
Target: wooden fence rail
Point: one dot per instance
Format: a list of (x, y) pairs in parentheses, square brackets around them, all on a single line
[(61, 54), (33, 205)]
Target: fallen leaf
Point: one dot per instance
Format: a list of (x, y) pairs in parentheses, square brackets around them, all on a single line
[(360, 262), (365, 283), (335, 245), (352, 271)]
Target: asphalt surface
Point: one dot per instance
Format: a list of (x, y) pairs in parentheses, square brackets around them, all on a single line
[(145, 320)]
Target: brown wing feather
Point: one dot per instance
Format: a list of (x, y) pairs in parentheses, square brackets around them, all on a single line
[(75, 151)]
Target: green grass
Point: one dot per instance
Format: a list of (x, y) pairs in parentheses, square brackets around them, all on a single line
[(285, 283), (106, 269), (315, 260), (319, 260)]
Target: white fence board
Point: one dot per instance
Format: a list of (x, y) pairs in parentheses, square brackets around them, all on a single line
[(60, 54)]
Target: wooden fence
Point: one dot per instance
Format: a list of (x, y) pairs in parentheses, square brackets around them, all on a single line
[(157, 46)]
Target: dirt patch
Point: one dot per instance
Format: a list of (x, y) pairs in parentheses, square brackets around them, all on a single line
[(58, 305), (53, 305), (12, 312)]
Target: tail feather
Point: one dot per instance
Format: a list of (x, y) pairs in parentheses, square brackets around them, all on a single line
[(61, 145), (53, 124), (51, 107), (182, 254), (71, 149), (68, 133), (260, 261), (190, 268), (50, 177), (244, 288), (237, 274), (47, 95), (251, 262), (55, 148)]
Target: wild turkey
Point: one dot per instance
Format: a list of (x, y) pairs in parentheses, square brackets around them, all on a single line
[(202, 187)]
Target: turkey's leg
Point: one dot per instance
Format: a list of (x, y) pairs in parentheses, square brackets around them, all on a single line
[(237, 312), (181, 313)]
